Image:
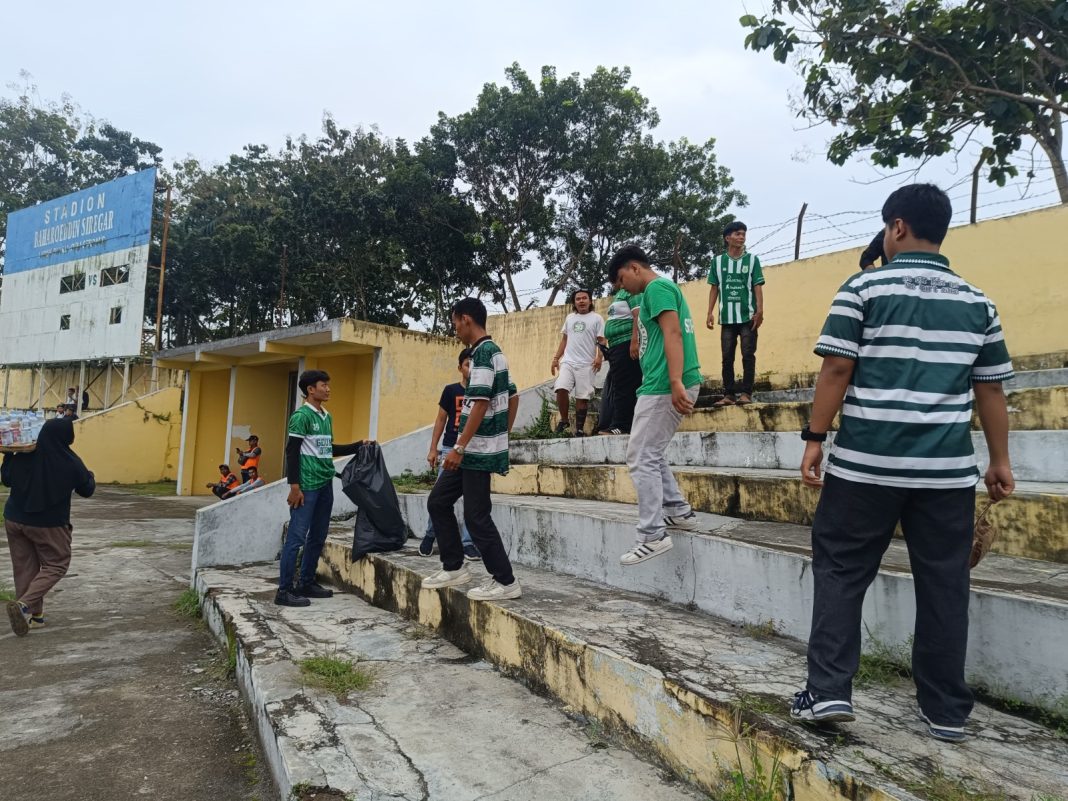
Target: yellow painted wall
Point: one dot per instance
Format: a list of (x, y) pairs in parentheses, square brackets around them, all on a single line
[(135, 442), (261, 395), (1017, 261), (414, 368), (23, 385), (209, 431)]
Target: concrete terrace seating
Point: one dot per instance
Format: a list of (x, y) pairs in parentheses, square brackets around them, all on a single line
[(691, 658)]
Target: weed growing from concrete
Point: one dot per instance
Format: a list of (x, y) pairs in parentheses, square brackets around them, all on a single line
[(415, 482), (542, 427), (188, 604), (762, 630), (1054, 717), (248, 763), (226, 666), (595, 733), (883, 663), (6, 594), (336, 674), (752, 776), (940, 787), (417, 631), (760, 704)]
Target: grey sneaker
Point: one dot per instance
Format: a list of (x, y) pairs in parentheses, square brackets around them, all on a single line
[(496, 592), (688, 521), (447, 578), (947, 734), (646, 550), (809, 709)]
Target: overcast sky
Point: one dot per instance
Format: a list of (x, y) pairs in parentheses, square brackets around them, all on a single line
[(205, 78)]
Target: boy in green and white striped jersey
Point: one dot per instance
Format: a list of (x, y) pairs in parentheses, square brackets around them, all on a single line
[(737, 282), (904, 348), (481, 449)]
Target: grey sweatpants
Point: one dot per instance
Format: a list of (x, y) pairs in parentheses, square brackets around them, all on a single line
[(655, 423)]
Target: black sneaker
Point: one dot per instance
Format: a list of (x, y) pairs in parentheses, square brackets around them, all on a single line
[(287, 598), (313, 590), (471, 552), (809, 709), (562, 427), (426, 547)]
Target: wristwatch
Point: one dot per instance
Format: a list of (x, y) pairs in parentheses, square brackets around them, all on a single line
[(808, 435), (460, 449)]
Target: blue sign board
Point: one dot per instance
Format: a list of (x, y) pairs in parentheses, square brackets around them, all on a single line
[(104, 218)]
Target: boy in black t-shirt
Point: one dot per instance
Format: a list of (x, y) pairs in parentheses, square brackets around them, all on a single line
[(446, 427)]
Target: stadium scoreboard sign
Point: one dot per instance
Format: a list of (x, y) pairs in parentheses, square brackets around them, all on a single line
[(75, 270)]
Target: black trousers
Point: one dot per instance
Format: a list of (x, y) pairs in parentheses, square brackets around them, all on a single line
[(729, 334), (474, 487), (604, 413), (626, 375), (852, 529)]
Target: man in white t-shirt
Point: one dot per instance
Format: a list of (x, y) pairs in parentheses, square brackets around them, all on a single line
[(576, 360)]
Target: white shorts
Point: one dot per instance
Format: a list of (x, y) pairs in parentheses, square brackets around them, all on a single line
[(575, 379)]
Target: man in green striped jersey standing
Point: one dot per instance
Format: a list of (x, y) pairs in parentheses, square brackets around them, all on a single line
[(481, 450), (737, 282), (904, 348)]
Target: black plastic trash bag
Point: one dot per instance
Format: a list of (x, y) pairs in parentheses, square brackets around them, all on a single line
[(379, 524)]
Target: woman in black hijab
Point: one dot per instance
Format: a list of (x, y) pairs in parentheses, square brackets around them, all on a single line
[(37, 518)]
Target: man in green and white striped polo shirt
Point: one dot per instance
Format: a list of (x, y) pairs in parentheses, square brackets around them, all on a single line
[(737, 282), (904, 348), (481, 449)]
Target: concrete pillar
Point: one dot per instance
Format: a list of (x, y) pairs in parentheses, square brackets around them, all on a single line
[(181, 440), (7, 383), (372, 424), (107, 385), (230, 415), (125, 378), (41, 388), (81, 387), (190, 421)]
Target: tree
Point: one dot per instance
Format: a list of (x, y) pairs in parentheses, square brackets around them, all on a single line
[(509, 151), (915, 79), (50, 149)]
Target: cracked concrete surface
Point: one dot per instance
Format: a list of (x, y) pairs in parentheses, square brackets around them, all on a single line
[(117, 698), (434, 725), (663, 654)]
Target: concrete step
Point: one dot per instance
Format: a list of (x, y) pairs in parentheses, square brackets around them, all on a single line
[(1033, 409), (751, 573), (434, 724), (1032, 523), (1036, 455), (1025, 379), (705, 696)]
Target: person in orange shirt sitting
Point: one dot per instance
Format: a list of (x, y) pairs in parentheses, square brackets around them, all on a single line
[(227, 481)]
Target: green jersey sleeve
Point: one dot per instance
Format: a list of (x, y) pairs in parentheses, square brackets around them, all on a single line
[(758, 272)]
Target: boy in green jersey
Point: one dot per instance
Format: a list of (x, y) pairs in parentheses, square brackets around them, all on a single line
[(904, 348), (481, 450), (671, 378), (310, 453), (625, 372), (737, 282)]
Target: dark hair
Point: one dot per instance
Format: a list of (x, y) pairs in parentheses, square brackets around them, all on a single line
[(252, 437), (624, 256), (473, 308), (924, 208), (310, 377), (578, 292), (731, 227), (465, 354), (225, 467)]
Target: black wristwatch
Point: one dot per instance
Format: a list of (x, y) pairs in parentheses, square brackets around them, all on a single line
[(808, 435)]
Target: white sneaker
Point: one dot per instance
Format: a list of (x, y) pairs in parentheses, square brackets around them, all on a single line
[(646, 550), (447, 578), (495, 592), (687, 521)]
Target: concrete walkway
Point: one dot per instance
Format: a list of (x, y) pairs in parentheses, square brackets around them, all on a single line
[(119, 698)]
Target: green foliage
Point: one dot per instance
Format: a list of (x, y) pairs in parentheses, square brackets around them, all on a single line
[(188, 604), (415, 482), (542, 427), (883, 663), (752, 776), (7, 594), (912, 80), (336, 674)]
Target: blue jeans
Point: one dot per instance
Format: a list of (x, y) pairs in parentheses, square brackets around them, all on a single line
[(465, 537), (308, 526)]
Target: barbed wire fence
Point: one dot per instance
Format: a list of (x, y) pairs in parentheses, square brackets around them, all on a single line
[(777, 242)]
